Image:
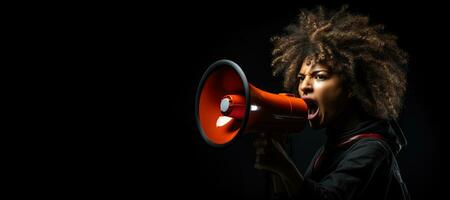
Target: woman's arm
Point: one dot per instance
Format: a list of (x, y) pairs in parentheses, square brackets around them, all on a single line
[(271, 156)]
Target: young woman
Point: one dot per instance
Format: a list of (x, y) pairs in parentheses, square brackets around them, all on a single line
[(350, 74)]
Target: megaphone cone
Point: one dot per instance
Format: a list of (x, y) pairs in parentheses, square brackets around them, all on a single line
[(227, 106)]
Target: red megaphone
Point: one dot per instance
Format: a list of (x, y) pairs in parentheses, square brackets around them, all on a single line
[(227, 105)]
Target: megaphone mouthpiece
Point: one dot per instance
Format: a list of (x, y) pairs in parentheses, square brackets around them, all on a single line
[(233, 106)]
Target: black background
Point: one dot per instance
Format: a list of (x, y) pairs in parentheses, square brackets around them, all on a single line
[(138, 68)]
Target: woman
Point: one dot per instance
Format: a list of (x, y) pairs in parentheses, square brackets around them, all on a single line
[(350, 74)]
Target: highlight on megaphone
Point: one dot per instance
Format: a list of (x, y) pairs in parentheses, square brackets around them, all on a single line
[(228, 106)]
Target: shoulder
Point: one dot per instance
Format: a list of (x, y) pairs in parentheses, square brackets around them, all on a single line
[(367, 150), (371, 144)]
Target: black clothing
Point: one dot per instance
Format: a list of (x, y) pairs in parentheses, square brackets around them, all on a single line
[(365, 169)]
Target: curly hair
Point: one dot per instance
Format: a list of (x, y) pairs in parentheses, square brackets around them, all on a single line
[(366, 57)]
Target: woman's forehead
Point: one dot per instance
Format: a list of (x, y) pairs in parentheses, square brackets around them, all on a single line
[(312, 66)]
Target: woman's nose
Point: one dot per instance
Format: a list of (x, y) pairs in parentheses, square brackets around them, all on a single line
[(305, 86)]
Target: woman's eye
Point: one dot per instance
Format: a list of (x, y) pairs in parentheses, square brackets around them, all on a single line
[(301, 78), (321, 77)]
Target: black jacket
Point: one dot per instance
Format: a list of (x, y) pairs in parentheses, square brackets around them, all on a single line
[(363, 169)]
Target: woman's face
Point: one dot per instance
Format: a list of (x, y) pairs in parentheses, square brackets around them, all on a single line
[(324, 93)]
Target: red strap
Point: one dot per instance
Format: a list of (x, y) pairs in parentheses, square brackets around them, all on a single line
[(359, 136)]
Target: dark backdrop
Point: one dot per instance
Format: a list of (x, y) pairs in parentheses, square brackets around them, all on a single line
[(142, 65)]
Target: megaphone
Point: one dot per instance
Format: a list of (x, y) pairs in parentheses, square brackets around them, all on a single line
[(227, 106)]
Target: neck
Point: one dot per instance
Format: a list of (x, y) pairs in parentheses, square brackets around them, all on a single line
[(349, 119)]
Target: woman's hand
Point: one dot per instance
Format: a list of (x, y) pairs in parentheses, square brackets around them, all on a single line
[(271, 156)]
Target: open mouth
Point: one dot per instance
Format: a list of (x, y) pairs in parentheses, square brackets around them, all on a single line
[(313, 108)]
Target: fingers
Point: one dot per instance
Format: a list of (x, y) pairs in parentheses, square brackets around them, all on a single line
[(264, 152), (263, 167), (260, 151), (260, 143), (270, 154)]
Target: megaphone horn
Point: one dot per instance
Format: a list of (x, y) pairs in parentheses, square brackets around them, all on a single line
[(227, 106)]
